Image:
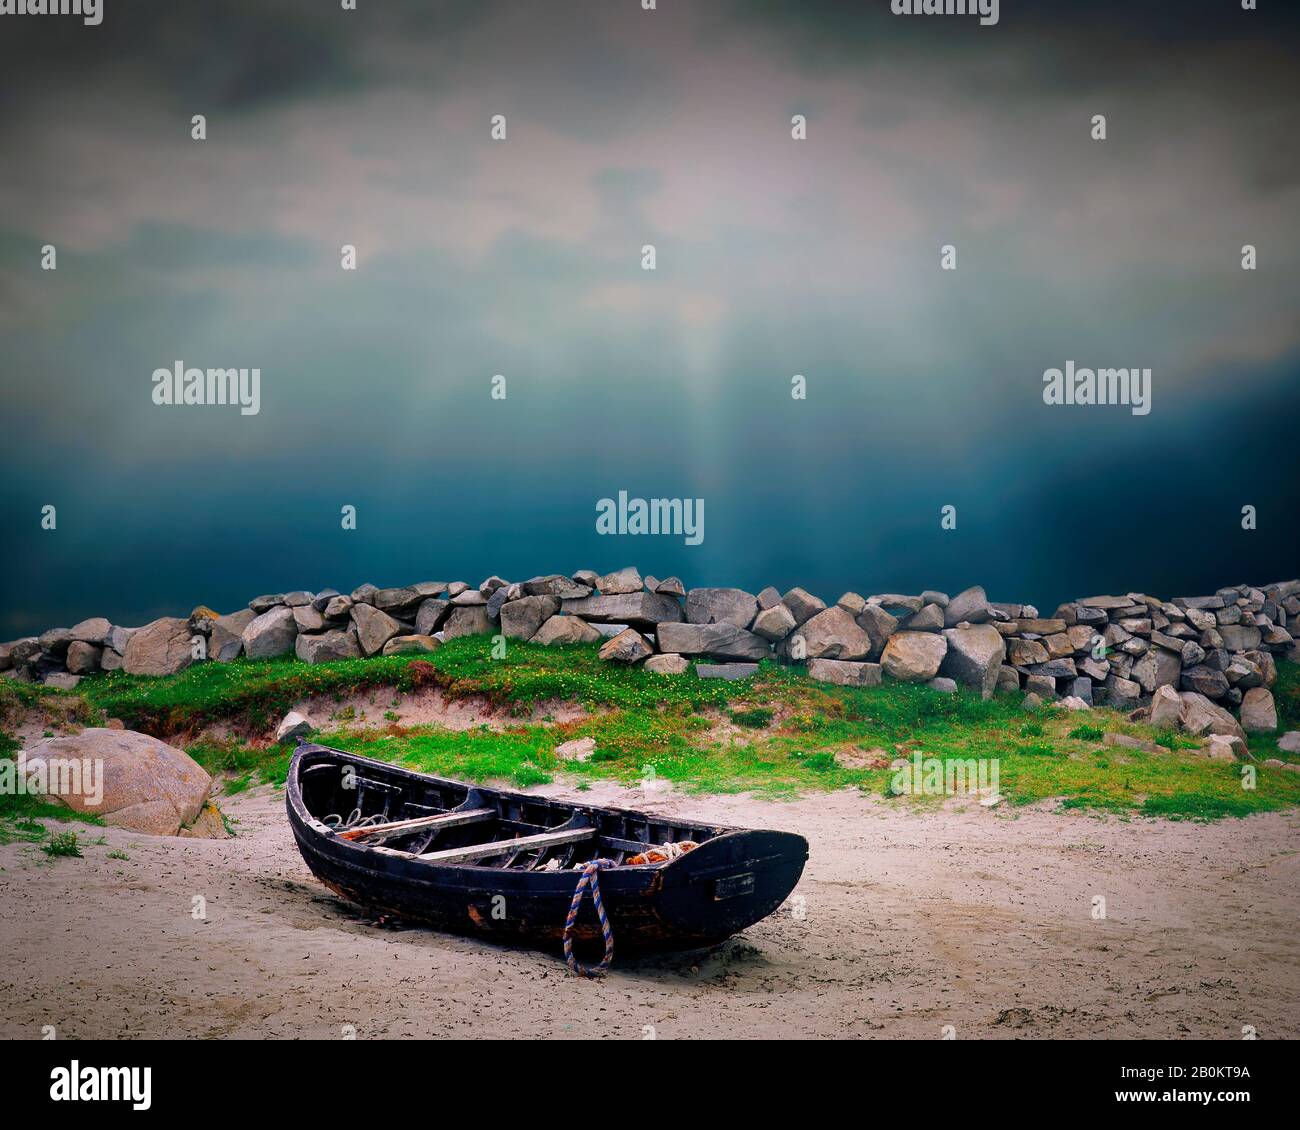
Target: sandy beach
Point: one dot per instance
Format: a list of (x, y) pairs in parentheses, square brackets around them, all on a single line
[(906, 922)]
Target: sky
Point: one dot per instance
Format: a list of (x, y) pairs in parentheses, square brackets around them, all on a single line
[(523, 257)]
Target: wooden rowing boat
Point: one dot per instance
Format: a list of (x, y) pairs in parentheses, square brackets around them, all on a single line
[(469, 859)]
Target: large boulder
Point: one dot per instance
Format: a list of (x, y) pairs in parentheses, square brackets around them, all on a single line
[(131, 780), (844, 673), (411, 645), (879, 626), (721, 641), (270, 634), (83, 658), (161, 648), (830, 634), (971, 606), (432, 615), (226, 640), (629, 646), (1258, 711), (640, 609), (565, 629), (327, 646), (1166, 708), (668, 664), (803, 605), (1200, 716), (95, 630), (974, 657), (914, 657), (622, 581), (555, 585), (721, 606), (774, 623), (374, 627), (472, 621), (521, 619)]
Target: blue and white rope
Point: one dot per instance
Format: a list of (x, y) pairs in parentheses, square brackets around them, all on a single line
[(589, 878)]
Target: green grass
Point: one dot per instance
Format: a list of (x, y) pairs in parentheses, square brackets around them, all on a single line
[(776, 734), (62, 844)]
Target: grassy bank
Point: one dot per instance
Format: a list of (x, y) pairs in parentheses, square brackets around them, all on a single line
[(777, 734)]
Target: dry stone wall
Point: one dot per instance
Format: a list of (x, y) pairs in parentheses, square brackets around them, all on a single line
[(1119, 651)]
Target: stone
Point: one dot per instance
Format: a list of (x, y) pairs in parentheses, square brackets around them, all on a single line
[(851, 602), (1008, 680), (119, 637), (469, 598), (1166, 708), (1241, 672), (323, 598), (769, 598), (163, 647), (364, 594), (308, 618), (260, 604), (629, 646), (974, 657), (83, 658), (671, 586), (844, 673), (1200, 716), (297, 599), (431, 615), (933, 596), (668, 664), (1289, 742), (720, 641), (971, 606), (721, 606), (830, 634), (579, 749), (455, 588), (638, 609), (893, 600), (622, 581), (1026, 653), (1240, 637), (337, 607), (1226, 747), (62, 680), (374, 627), (1122, 694), (929, 619), (412, 645), (226, 637), (1040, 627), (1055, 668), (803, 605), (1106, 603), (1205, 680), (914, 657), (555, 585), (491, 585), (522, 619), (1258, 711), (729, 671), (111, 660), (147, 786), (879, 626), (1032, 702), (1074, 702), (943, 685), (565, 630), (293, 725), (95, 630), (1130, 742), (327, 646), (774, 623), (473, 621)]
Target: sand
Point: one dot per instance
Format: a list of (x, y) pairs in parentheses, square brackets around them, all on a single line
[(906, 922)]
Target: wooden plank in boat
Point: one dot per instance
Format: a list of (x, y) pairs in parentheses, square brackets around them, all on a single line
[(500, 847), (420, 823)]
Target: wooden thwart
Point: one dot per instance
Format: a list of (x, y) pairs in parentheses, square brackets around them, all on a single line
[(421, 823), (501, 847)]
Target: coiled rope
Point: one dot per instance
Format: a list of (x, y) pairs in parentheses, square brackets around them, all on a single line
[(590, 878)]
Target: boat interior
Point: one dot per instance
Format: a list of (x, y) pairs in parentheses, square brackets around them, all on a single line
[(452, 823)]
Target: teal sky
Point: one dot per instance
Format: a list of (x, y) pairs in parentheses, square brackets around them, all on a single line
[(522, 258)]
